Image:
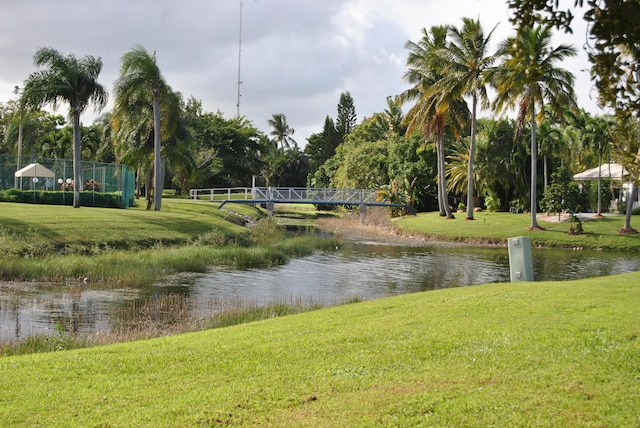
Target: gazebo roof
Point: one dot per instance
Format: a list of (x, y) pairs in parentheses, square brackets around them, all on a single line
[(35, 170), (611, 171)]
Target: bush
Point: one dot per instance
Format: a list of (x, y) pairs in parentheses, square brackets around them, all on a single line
[(87, 199), (606, 195)]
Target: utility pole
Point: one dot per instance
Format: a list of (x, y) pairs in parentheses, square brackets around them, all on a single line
[(239, 61)]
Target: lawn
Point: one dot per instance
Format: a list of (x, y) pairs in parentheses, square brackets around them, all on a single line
[(179, 221), (517, 355), (498, 227)]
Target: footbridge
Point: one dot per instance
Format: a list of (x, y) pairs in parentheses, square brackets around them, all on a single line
[(269, 196)]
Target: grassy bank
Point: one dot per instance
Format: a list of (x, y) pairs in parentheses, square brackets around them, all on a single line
[(136, 247), (30, 230), (496, 228), (527, 354)]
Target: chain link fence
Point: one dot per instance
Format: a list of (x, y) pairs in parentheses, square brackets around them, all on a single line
[(56, 175)]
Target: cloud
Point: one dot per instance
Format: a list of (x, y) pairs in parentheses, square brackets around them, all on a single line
[(297, 55)]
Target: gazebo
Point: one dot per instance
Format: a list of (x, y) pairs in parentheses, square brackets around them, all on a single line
[(36, 171), (611, 171)]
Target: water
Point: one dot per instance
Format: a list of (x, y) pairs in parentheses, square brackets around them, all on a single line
[(362, 270)]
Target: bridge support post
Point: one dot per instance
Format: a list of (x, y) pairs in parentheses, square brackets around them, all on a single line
[(363, 213), (270, 208)]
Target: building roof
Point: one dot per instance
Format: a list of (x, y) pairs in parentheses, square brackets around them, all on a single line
[(611, 171)]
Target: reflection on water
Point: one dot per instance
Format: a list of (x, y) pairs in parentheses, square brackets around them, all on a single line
[(363, 270)]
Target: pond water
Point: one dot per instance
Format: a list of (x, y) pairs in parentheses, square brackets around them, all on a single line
[(359, 270)]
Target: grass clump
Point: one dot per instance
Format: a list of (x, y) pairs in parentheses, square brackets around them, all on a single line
[(526, 354)]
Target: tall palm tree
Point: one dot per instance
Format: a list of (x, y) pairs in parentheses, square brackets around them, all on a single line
[(141, 82), (529, 79), (70, 80), (282, 131), (626, 150), (466, 61), (433, 111)]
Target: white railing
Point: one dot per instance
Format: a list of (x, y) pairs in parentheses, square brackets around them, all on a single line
[(222, 193), (316, 195), (288, 195)]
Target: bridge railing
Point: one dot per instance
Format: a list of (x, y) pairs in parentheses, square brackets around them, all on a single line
[(318, 195), (222, 194)]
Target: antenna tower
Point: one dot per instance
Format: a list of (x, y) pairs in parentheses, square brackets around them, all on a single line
[(239, 61)]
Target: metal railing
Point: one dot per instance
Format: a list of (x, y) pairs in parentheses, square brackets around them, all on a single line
[(315, 195), (291, 195), (287, 194), (222, 193)]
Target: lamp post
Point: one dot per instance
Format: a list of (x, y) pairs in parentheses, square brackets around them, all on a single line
[(35, 183), (60, 181), (16, 90)]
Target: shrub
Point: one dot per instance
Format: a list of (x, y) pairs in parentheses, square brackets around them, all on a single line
[(87, 199)]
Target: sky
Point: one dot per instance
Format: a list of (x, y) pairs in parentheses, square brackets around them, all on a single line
[(295, 57)]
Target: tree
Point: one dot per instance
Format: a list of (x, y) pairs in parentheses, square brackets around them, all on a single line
[(287, 168), (457, 168), (322, 146), (432, 111), (346, 120), (503, 164), (529, 78), (227, 152), (562, 194), (282, 131), (70, 80), (612, 44), (141, 83), (363, 159), (466, 62), (624, 135), (550, 141)]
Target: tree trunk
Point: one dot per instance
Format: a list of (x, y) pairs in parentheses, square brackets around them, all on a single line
[(632, 195), (472, 152), (442, 179), (157, 161), (77, 172), (439, 188), (600, 182), (534, 170)]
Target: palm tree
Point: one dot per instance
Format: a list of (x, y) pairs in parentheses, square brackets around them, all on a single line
[(529, 78), (282, 131), (598, 138), (624, 134), (141, 83), (458, 166), (390, 120), (70, 80), (550, 139), (432, 110), (466, 63)]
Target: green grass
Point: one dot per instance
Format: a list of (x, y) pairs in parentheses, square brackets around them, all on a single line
[(498, 227), (137, 247), (517, 355), (29, 229)]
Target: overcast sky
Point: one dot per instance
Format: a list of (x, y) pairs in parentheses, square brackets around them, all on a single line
[(297, 56)]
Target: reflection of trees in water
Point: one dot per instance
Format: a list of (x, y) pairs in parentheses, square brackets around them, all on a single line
[(152, 314), (75, 317)]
